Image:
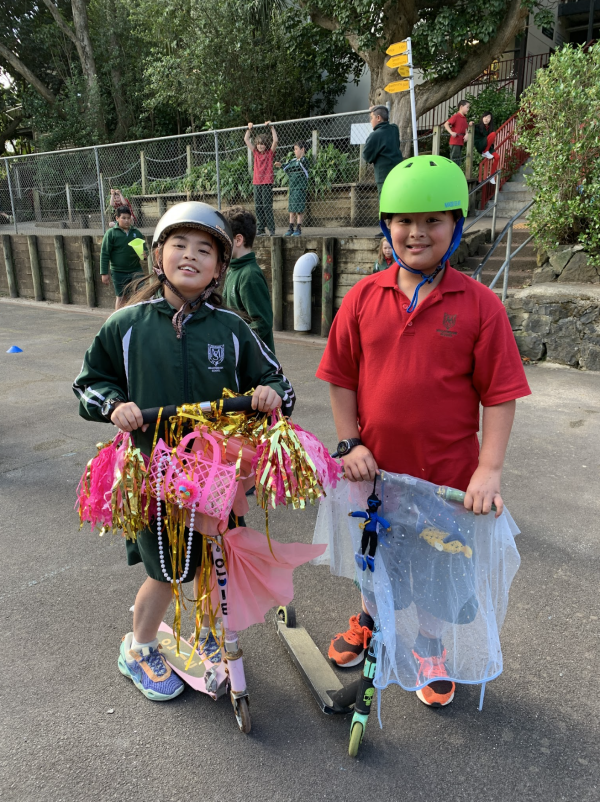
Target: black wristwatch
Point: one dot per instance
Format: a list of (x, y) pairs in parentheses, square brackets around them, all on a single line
[(345, 446), (108, 407)]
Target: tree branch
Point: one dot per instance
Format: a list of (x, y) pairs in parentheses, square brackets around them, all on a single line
[(31, 79), (60, 21), (429, 94), (10, 130)]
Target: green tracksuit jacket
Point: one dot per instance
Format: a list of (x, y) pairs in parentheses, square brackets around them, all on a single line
[(137, 357), (117, 251), (382, 150), (246, 289)]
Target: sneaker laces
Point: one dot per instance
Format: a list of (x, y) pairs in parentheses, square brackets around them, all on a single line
[(431, 668), (356, 635), (156, 661)]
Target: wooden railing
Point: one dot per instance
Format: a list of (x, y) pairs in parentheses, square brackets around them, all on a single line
[(511, 158)]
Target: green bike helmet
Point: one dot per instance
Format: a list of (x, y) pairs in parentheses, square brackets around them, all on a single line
[(424, 184)]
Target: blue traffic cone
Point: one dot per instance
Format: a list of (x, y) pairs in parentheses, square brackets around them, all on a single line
[(14, 349)]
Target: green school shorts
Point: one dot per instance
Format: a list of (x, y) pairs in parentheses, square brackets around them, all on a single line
[(297, 199), (121, 279), (145, 550)]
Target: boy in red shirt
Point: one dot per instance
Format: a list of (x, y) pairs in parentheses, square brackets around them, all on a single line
[(409, 403), (263, 178), (458, 128)]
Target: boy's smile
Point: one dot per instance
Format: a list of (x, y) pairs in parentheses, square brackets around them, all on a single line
[(421, 239), (191, 260)]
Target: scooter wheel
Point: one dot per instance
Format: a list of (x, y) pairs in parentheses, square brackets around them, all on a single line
[(287, 615), (356, 735), (241, 709)]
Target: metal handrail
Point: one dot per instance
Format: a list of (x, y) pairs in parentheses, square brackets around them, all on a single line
[(489, 209), (508, 229)]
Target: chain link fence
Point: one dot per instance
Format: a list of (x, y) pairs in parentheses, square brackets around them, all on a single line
[(70, 190)]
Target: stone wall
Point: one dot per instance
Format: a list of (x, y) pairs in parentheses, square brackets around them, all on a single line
[(559, 322), (567, 265)]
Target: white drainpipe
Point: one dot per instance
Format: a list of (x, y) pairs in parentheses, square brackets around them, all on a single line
[(303, 290)]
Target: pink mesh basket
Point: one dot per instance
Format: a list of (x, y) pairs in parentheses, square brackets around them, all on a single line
[(188, 476)]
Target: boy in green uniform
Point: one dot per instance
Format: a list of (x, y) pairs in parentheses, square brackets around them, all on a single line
[(245, 289), (117, 253), (297, 171)]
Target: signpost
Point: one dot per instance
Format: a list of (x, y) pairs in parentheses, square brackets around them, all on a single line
[(401, 53)]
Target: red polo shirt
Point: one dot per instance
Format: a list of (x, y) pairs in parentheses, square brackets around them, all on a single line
[(263, 167), (420, 377), (459, 124)]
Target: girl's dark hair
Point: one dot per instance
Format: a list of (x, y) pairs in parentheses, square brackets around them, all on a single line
[(480, 124), (146, 287)]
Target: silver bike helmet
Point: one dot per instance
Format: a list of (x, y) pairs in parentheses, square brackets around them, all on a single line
[(194, 214)]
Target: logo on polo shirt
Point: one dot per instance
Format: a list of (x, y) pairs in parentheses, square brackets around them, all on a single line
[(448, 322), (216, 355)]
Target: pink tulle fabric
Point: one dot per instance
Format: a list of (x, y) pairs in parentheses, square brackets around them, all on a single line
[(328, 470), (257, 580), (95, 487)]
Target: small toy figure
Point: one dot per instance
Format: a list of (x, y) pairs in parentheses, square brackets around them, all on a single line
[(370, 528)]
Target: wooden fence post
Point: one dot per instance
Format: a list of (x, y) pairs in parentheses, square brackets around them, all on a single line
[(88, 270), (37, 208), (11, 276), (315, 145), (188, 159), (36, 274), (327, 266), (469, 154), (277, 283), (437, 140), (143, 169), (61, 268), (361, 165), (353, 204)]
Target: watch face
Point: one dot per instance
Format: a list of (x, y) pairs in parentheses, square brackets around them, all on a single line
[(343, 448)]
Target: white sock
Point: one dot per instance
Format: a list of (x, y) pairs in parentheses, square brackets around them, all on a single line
[(137, 646), (493, 180)]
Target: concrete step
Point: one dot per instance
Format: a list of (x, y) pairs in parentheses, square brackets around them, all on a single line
[(516, 278), (508, 208), (516, 192)]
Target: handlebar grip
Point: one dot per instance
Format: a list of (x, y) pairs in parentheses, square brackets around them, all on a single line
[(241, 404)]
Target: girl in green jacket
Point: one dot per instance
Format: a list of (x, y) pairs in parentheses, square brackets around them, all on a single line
[(173, 344)]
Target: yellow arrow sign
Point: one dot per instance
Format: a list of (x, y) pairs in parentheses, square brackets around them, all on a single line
[(404, 72), (398, 47), (397, 86), (398, 61)]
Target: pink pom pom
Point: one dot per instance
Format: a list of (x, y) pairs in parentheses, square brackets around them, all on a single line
[(95, 487), (328, 470)]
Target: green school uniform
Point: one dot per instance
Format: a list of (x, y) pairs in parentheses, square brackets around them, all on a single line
[(297, 171), (246, 290), (136, 356), (119, 256)]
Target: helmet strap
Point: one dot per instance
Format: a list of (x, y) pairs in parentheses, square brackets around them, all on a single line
[(427, 277), (188, 307)]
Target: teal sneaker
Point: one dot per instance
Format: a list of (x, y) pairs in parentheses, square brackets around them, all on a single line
[(149, 671)]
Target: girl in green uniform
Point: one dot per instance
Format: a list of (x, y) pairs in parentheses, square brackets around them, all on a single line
[(297, 171), (173, 344)]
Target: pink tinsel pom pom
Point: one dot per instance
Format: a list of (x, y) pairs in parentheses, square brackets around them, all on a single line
[(328, 470)]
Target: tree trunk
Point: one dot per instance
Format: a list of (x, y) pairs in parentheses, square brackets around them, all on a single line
[(399, 103), (8, 133), (31, 79), (124, 114), (88, 64)]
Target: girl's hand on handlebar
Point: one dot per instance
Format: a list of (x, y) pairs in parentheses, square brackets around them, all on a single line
[(128, 417), (359, 465), (265, 399)]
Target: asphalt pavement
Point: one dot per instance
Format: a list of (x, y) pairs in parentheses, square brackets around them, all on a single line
[(73, 729)]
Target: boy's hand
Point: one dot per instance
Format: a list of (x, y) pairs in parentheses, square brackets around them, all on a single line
[(265, 399), (277, 164), (483, 491), (250, 126), (128, 417), (105, 278), (359, 465)]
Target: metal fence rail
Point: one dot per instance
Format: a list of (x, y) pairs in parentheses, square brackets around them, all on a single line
[(69, 189)]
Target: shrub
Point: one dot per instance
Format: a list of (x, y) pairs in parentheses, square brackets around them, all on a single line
[(560, 128)]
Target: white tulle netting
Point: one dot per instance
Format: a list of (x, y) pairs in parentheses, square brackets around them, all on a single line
[(441, 570)]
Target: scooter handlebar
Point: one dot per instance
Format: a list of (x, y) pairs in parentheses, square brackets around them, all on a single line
[(241, 404)]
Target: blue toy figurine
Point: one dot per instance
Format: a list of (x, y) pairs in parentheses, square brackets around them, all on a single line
[(370, 526)]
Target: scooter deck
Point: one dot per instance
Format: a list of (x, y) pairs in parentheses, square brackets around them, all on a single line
[(315, 669), (196, 674)]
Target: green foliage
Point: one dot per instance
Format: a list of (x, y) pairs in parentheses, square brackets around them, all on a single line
[(501, 102), (560, 128)]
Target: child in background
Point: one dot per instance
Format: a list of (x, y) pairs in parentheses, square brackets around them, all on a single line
[(385, 257), (117, 199), (172, 344), (458, 128), (245, 289), (297, 171), (263, 177), (118, 260), (485, 136), (412, 354)]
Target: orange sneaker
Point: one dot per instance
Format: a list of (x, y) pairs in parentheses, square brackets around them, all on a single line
[(439, 692), (347, 649)]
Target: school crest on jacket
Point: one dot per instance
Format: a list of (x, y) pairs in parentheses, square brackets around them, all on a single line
[(216, 355)]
